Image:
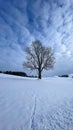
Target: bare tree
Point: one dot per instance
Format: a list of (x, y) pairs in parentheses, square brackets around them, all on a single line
[(39, 57)]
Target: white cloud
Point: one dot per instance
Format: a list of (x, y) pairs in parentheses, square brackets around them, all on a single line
[(51, 22)]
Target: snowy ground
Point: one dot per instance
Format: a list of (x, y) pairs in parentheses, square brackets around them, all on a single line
[(32, 104)]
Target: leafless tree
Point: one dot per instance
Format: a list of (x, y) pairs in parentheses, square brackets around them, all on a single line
[(39, 57)]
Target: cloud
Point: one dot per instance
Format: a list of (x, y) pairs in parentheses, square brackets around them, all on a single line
[(50, 21)]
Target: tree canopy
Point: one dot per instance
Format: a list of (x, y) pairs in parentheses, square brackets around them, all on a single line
[(39, 57)]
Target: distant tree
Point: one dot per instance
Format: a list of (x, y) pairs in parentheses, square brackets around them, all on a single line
[(39, 57), (15, 73)]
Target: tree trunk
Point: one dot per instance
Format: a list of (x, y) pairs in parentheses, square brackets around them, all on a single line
[(39, 74)]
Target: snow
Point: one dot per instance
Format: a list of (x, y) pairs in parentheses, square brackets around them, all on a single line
[(32, 104)]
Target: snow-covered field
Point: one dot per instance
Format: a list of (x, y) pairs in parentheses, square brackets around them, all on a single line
[(32, 104)]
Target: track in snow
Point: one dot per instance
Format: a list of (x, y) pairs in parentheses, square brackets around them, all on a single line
[(32, 124)]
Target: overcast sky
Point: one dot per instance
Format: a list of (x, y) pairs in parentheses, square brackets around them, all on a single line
[(23, 21)]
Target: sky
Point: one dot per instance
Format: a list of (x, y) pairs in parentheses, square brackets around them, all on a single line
[(24, 21)]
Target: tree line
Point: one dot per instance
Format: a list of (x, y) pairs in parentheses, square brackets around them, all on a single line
[(14, 73)]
